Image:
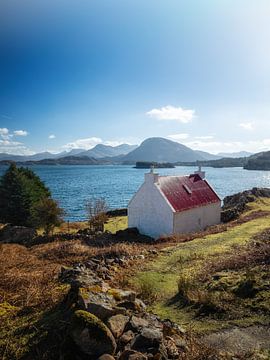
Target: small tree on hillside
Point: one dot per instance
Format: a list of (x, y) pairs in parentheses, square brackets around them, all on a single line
[(47, 214), (97, 214)]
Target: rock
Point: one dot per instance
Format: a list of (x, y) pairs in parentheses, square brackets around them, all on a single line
[(17, 234), (132, 355), (137, 323), (148, 338), (91, 335), (136, 305), (122, 295), (106, 357), (117, 324), (127, 337), (100, 304)]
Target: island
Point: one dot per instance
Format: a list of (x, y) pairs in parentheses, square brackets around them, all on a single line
[(149, 164)]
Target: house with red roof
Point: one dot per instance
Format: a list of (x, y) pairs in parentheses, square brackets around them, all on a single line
[(166, 205)]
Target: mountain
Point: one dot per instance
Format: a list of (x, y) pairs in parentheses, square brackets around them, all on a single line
[(208, 156), (234, 154), (104, 151), (260, 161), (162, 150)]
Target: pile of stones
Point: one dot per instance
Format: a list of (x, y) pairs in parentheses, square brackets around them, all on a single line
[(111, 323)]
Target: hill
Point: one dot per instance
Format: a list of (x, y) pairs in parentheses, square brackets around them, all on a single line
[(234, 154), (104, 151), (66, 160), (260, 161), (162, 150)]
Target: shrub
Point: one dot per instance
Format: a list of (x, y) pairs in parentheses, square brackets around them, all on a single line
[(97, 214)]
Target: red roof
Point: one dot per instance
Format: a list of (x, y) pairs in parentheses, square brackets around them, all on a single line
[(187, 192)]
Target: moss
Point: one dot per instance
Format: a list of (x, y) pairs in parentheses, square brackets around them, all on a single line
[(83, 319)]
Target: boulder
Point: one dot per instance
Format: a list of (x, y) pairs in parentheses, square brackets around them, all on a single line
[(91, 335), (136, 323), (117, 324), (122, 295), (100, 304), (132, 355), (147, 339), (17, 234)]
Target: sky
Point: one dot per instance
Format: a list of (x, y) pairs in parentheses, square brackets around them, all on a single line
[(75, 73)]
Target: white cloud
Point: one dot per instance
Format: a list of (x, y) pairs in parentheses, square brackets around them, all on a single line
[(207, 137), (178, 136), (172, 113), (86, 143), (52, 136), (247, 126), (20, 133), (3, 131)]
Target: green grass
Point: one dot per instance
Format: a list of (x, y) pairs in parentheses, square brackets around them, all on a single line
[(187, 261), (116, 223)]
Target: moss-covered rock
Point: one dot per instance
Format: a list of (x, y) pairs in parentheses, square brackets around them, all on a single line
[(91, 335)]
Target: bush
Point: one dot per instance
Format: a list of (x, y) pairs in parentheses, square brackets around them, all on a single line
[(97, 214)]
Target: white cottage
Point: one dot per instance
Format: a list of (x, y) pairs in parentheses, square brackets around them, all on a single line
[(166, 205)]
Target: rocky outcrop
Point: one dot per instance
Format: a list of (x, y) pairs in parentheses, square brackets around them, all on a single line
[(235, 205), (17, 234)]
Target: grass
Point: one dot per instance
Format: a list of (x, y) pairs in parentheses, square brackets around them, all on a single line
[(181, 279)]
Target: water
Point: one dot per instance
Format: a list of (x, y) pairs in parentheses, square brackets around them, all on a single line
[(73, 185)]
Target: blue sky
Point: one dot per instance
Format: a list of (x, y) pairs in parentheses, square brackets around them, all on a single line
[(78, 73)]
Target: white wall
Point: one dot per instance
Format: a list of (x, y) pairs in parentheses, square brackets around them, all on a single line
[(149, 211), (197, 219)]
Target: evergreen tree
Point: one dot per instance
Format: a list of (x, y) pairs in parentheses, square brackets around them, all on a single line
[(20, 192)]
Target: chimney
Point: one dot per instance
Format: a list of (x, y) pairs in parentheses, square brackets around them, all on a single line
[(151, 177), (200, 172)]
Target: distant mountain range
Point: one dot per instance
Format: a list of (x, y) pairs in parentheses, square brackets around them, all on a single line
[(154, 149), (238, 154)]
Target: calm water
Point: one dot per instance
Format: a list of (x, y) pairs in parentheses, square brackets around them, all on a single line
[(73, 185)]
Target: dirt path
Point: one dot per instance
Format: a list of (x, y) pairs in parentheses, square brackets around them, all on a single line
[(240, 340)]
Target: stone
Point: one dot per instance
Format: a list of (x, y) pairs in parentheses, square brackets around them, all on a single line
[(127, 337), (106, 357), (137, 323), (135, 305), (100, 304), (117, 324), (17, 234), (122, 295), (91, 335), (148, 338), (132, 355)]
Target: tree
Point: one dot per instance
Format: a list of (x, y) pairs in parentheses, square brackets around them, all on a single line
[(97, 214), (47, 214), (21, 190)]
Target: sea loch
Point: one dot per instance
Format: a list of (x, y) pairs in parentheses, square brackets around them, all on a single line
[(73, 185)]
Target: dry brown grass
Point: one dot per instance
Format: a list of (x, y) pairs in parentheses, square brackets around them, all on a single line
[(25, 280)]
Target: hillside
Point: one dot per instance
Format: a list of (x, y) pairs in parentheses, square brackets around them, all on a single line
[(66, 160), (162, 150), (213, 286), (103, 151), (260, 161)]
